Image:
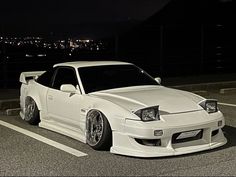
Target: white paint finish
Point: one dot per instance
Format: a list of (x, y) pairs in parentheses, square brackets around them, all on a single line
[(34, 74), (44, 140), (65, 108), (78, 64), (134, 98), (227, 104), (61, 112)]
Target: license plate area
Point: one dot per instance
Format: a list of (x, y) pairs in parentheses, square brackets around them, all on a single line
[(187, 136)]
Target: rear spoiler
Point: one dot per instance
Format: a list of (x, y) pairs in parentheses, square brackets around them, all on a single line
[(25, 76)]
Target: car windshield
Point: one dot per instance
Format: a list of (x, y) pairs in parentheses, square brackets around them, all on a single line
[(97, 78)]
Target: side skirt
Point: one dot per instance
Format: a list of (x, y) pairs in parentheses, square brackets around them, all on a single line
[(56, 127)]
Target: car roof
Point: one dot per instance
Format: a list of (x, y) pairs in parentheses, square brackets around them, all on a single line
[(78, 64)]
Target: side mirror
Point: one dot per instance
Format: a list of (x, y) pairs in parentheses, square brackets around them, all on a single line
[(68, 88), (158, 79)]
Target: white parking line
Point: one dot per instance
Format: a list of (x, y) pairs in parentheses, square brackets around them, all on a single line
[(227, 104), (44, 140)]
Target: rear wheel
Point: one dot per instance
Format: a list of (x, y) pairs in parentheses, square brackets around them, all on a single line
[(98, 131), (31, 111)]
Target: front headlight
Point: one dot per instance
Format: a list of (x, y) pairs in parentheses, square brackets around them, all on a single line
[(209, 105), (149, 114)]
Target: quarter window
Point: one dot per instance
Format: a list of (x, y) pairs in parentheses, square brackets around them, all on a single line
[(64, 75), (46, 78)]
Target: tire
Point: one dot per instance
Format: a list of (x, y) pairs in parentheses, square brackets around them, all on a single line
[(31, 111), (98, 131)]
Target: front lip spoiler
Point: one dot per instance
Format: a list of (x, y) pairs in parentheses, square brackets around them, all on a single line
[(153, 152)]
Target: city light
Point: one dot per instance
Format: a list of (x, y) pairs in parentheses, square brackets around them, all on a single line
[(69, 43)]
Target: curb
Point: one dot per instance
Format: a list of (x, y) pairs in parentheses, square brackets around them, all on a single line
[(206, 86), (9, 104), (228, 90), (13, 112)]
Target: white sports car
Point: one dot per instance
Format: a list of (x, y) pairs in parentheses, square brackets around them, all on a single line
[(118, 106)]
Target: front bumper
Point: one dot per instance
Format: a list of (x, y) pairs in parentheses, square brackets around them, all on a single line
[(124, 141)]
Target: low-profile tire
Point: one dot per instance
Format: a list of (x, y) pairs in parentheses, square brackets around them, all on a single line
[(98, 131), (31, 111)]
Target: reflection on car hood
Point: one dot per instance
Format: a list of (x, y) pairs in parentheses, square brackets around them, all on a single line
[(134, 98)]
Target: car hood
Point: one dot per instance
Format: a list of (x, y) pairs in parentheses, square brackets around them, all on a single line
[(134, 98)]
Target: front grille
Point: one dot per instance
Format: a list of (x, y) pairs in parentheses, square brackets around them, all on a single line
[(175, 140)]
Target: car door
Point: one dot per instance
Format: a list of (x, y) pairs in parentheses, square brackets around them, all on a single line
[(64, 108)]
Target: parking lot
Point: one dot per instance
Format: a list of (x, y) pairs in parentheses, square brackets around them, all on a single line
[(27, 150)]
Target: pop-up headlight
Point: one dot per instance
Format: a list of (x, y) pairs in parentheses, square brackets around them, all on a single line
[(209, 105), (149, 114)]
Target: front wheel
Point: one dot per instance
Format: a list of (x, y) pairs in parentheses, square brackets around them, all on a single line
[(31, 111), (98, 131)]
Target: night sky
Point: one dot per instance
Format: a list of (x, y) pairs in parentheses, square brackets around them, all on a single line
[(62, 15)]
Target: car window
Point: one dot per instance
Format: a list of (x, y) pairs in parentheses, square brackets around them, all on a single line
[(96, 78), (46, 78), (64, 75)]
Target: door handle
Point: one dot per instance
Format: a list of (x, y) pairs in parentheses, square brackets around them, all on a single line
[(50, 97)]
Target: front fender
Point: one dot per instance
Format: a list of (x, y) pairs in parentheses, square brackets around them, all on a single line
[(115, 114)]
